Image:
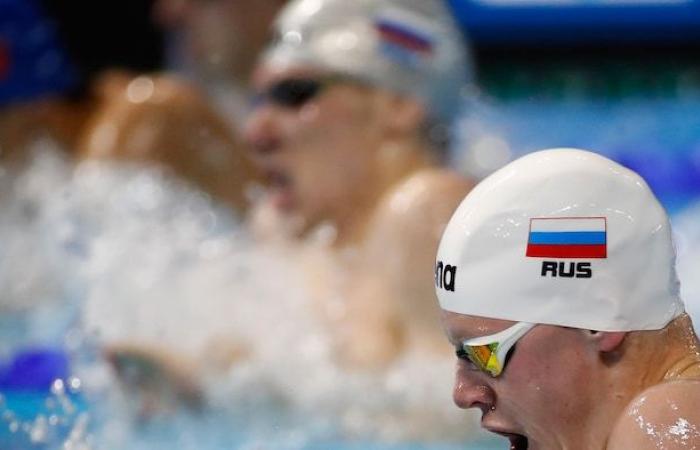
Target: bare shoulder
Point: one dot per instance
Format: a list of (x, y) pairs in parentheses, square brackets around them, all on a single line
[(429, 187), (400, 248), (422, 203), (664, 416)]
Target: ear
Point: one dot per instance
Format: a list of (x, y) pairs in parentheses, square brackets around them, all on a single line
[(607, 341)]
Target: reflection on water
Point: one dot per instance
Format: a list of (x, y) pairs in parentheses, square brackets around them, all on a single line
[(97, 256)]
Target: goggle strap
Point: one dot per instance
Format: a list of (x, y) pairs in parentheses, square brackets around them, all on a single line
[(498, 345), (510, 334)]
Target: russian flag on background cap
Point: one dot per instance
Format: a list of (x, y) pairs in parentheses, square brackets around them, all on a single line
[(568, 237), (403, 36)]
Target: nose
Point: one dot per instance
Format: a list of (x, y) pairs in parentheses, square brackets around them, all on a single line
[(262, 131), (471, 389)]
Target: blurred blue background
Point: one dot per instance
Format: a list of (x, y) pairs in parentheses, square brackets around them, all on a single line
[(618, 77)]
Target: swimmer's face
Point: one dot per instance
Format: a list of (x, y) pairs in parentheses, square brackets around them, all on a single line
[(220, 38), (319, 153), (546, 393)]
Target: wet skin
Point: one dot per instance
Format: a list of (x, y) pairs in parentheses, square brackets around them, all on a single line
[(323, 160), (527, 399), (165, 121), (565, 388), (353, 157)]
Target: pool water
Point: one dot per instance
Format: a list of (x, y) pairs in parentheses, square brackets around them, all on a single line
[(82, 250), (36, 426), (115, 240), (68, 417)]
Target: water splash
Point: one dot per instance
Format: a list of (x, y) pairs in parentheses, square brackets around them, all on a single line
[(137, 256)]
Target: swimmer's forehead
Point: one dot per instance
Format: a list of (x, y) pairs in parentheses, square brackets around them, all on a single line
[(459, 327)]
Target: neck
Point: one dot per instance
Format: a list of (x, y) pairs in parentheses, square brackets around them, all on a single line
[(677, 350), (686, 360), (650, 358), (395, 161), (614, 379)]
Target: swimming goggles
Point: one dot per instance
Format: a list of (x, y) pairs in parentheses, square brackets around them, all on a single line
[(490, 353), (295, 92)]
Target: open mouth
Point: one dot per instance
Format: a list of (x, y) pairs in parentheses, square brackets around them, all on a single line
[(517, 441)]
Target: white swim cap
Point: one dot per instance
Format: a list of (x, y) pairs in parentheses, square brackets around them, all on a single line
[(561, 237), (409, 46)]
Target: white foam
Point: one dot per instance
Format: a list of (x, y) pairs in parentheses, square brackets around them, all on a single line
[(151, 260)]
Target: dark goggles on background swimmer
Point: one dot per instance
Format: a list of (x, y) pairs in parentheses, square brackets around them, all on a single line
[(297, 91), (490, 353)]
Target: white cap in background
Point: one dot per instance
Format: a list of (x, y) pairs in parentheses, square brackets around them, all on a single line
[(409, 46)]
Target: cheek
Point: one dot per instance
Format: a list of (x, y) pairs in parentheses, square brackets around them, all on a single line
[(551, 385), (328, 181), (334, 141), (340, 123), (344, 112)]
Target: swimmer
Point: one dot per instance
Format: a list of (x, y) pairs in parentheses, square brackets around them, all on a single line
[(557, 283), (348, 129), (163, 120), (353, 103)]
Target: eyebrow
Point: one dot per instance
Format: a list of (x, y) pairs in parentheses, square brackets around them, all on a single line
[(456, 339), (465, 336)]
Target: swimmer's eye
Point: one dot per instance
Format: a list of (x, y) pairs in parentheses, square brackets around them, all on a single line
[(491, 353), (464, 356), (296, 92), (291, 92), (461, 354)]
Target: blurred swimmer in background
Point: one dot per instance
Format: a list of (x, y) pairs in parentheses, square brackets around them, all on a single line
[(62, 90), (165, 121), (187, 119), (60, 95), (557, 280), (354, 102), (353, 106), (216, 43), (193, 131)]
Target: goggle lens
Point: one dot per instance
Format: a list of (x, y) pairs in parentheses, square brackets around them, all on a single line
[(490, 354), (291, 93), (484, 357)]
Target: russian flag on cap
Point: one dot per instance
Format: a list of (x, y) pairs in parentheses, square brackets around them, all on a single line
[(406, 37), (568, 237)]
